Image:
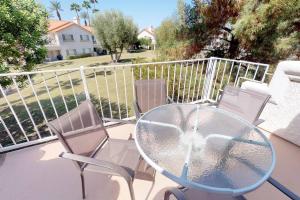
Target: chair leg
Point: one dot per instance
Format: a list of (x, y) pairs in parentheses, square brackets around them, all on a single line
[(130, 186), (82, 185)]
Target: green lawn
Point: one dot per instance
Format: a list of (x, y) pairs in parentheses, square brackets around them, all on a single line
[(112, 78), (98, 60)]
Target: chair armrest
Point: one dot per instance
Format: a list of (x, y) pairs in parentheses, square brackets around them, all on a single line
[(258, 122), (104, 166), (136, 110), (179, 195)]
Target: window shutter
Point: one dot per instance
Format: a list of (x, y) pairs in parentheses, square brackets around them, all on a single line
[(63, 36), (72, 38), (81, 37)]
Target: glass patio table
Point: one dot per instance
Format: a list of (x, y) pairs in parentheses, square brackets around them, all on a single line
[(205, 148)]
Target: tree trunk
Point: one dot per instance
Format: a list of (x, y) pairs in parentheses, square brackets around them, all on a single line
[(87, 10), (233, 51), (58, 15), (119, 56), (77, 14)]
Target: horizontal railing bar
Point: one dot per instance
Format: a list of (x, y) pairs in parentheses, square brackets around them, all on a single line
[(241, 61), (126, 65)]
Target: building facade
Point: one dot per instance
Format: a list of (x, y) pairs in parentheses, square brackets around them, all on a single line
[(148, 33), (69, 38)]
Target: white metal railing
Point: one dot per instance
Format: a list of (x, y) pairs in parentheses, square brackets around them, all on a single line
[(46, 95)]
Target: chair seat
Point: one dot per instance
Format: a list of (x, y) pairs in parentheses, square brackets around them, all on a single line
[(121, 152)]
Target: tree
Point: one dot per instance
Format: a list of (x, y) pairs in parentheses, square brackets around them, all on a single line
[(94, 5), (145, 42), (86, 4), (181, 13), (75, 7), (209, 20), (269, 30), (23, 25), (84, 15), (169, 46), (56, 6), (114, 32)]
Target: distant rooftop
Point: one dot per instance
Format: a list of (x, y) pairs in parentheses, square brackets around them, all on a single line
[(56, 25)]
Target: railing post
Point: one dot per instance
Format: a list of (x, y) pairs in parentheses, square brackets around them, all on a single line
[(86, 91), (209, 77)]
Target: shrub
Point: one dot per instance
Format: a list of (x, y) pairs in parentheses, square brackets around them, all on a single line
[(85, 55)]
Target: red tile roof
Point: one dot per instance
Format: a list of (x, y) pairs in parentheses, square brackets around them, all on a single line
[(56, 25)]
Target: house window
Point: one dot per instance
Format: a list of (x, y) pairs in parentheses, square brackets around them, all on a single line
[(84, 37), (74, 52), (67, 37), (67, 52), (93, 39), (83, 50)]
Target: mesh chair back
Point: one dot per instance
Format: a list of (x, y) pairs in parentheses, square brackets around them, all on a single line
[(246, 104), (81, 130), (150, 93)]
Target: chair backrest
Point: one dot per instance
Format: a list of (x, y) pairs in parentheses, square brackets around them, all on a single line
[(246, 104), (81, 130), (150, 93)]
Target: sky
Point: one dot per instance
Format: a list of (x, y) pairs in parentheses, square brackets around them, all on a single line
[(145, 13)]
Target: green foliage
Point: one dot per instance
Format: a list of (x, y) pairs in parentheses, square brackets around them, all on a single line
[(87, 5), (269, 30), (75, 7), (23, 25), (55, 6), (114, 32), (145, 41), (169, 45), (263, 31)]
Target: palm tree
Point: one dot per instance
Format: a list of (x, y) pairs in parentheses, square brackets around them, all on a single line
[(84, 15), (75, 7), (94, 3), (56, 6), (87, 5)]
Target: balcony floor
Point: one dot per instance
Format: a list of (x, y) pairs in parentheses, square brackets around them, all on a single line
[(36, 173)]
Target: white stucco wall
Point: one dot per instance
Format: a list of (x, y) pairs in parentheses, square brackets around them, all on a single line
[(77, 44), (145, 34)]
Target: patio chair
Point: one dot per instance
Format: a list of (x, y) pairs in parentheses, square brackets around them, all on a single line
[(89, 146), (149, 94), (247, 104)]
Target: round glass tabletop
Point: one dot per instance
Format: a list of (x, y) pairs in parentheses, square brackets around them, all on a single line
[(205, 148)]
